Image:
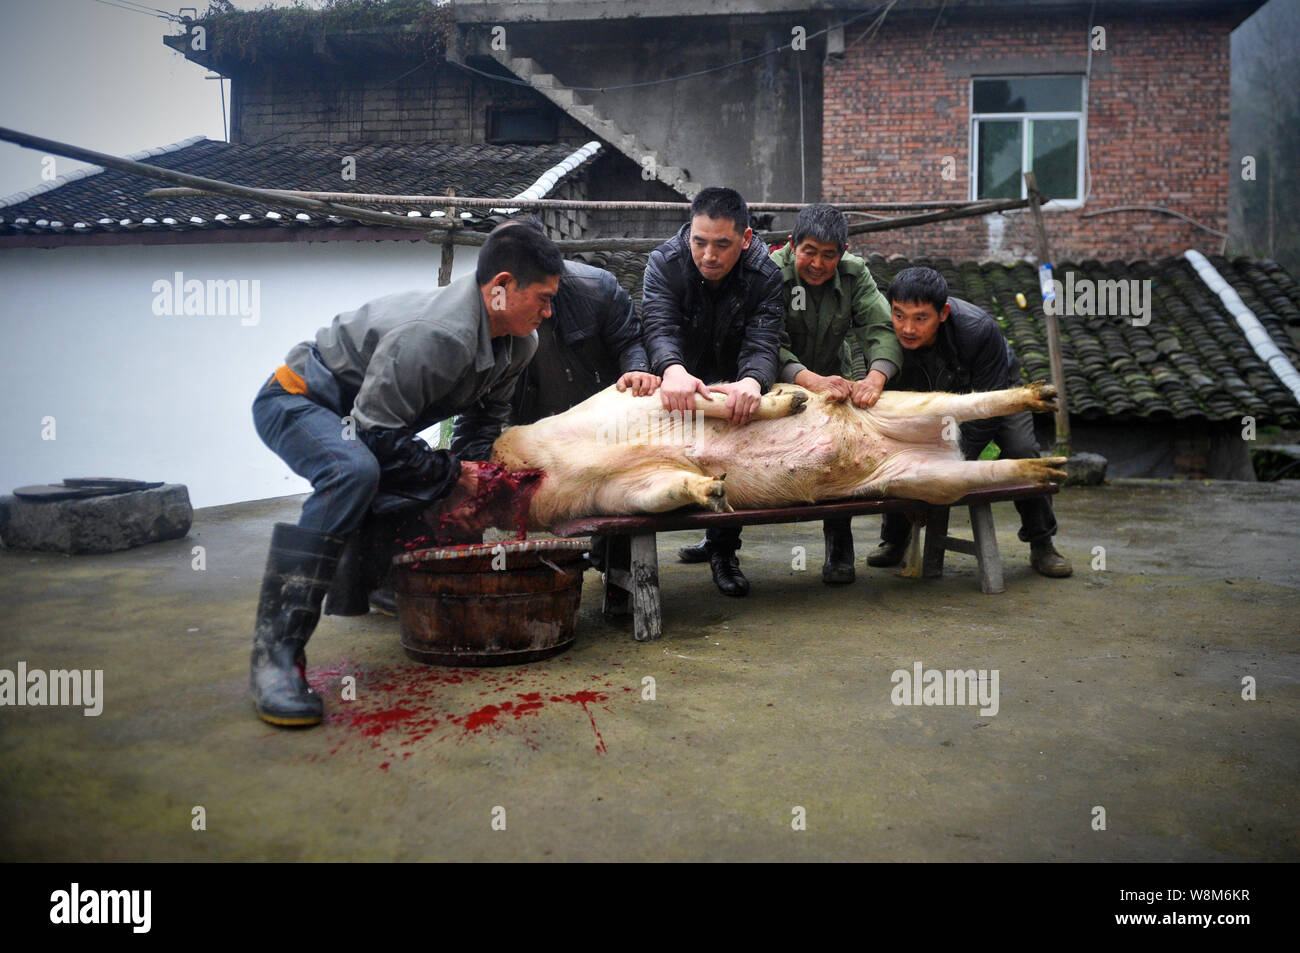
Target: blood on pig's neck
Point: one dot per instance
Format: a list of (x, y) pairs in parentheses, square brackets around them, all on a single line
[(501, 498)]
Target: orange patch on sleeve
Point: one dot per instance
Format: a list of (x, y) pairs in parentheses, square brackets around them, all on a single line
[(289, 380)]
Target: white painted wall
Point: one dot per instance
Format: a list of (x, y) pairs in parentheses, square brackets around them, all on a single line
[(169, 398)]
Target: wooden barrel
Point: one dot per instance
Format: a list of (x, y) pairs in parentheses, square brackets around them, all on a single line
[(490, 604)]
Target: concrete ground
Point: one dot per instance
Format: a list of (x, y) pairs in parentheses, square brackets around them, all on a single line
[(1119, 689)]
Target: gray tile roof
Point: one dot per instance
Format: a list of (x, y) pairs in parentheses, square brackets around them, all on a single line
[(110, 201), (1191, 362)]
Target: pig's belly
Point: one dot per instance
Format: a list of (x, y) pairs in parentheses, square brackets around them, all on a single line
[(820, 454)]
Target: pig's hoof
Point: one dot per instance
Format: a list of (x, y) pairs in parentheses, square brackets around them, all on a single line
[(715, 496), (797, 403), (1046, 470), (1042, 397)]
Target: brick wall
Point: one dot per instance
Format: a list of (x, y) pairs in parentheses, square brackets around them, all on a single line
[(441, 103), (1157, 120)]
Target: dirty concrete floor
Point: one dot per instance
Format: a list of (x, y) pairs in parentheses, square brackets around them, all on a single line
[(1120, 689)]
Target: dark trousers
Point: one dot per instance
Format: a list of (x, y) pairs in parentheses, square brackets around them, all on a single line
[(1016, 441), (344, 474), (723, 539)]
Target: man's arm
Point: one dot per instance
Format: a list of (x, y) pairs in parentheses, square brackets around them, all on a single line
[(409, 371), (477, 429), (662, 326), (620, 328), (620, 332), (662, 318), (761, 346), (756, 364), (990, 367), (873, 329)]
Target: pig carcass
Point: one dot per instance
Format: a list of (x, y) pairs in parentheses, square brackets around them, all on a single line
[(616, 454)]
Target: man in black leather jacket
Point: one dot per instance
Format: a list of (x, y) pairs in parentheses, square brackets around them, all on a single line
[(951, 345), (344, 411), (712, 307), (593, 340)]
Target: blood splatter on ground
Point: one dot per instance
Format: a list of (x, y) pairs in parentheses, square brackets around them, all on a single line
[(403, 709)]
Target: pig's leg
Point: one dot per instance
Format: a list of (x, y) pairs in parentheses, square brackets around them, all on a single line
[(660, 490), (784, 400), (935, 477), (1038, 397)]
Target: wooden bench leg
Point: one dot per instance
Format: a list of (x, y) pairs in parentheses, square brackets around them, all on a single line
[(986, 548), (912, 554), (936, 542), (617, 580), (647, 615)]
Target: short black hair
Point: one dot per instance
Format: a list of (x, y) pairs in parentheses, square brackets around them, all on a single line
[(821, 223), (717, 202), (526, 253), (532, 221), (919, 286)]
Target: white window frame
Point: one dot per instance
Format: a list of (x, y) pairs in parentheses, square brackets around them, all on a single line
[(1081, 115)]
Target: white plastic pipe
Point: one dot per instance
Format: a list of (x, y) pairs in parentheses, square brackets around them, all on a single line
[(1255, 332), (548, 179)]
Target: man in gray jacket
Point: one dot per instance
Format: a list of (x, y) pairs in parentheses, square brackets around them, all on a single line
[(344, 412)]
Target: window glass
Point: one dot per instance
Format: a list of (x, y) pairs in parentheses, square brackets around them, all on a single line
[(1036, 94), (999, 159), (1054, 156)]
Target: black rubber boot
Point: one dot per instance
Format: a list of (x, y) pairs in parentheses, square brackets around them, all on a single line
[(727, 574), (347, 593), (694, 553), (383, 598), (299, 569), (838, 567)]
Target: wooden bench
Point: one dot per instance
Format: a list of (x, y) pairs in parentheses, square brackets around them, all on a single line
[(642, 581)]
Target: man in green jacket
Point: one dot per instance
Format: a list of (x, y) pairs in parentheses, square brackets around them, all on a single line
[(830, 295)]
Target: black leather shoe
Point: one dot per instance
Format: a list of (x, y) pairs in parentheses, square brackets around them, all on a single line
[(838, 570), (727, 574), (695, 553), (886, 554), (1047, 561)]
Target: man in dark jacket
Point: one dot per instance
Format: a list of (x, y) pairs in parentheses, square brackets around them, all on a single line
[(952, 345), (593, 340), (344, 412), (711, 311)]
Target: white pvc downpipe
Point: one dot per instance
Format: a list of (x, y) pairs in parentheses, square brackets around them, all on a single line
[(1255, 332)]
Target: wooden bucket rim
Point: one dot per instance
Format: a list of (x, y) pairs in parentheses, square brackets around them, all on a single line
[(478, 550)]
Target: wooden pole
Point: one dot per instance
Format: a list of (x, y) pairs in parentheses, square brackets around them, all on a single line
[(379, 198), (1062, 447), (216, 186), (458, 236), (448, 247)]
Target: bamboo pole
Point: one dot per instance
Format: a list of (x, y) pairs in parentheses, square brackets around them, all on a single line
[(380, 198), (1062, 448), (458, 236), (215, 186)]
